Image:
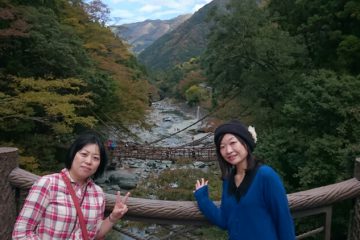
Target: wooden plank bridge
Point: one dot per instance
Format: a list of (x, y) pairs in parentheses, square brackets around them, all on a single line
[(143, 152)]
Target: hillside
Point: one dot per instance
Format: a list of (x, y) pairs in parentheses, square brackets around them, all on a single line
[(140, 35), (187, 41), (73, 74)]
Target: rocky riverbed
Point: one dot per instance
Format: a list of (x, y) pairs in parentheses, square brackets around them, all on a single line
[(166, 118)]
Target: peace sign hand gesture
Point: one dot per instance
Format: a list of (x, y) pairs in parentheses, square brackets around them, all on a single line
[(120, 207)]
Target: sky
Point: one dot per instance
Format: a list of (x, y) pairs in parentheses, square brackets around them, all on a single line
[(130, 11)]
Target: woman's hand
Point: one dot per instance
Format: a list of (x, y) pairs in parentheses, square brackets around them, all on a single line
[(201, 183), (120, 207)]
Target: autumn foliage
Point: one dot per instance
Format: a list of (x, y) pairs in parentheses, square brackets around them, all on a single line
[(62, 71)]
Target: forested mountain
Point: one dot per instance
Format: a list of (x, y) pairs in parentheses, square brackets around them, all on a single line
[(62, 71), (142, 34), (268, 61), (186, 41), (289, 68)]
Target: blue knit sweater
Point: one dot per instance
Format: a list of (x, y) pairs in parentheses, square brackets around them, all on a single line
[(261, 214)]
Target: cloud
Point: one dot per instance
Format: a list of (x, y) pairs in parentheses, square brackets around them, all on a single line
[(122, 13), (149, 8), (127, 11), (171, 13), (198, 6), (120, 1)]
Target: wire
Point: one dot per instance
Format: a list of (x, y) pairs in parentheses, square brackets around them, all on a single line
[(207, 115)]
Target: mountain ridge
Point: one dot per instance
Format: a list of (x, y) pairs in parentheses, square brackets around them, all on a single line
[(140, 35), (188, 40)]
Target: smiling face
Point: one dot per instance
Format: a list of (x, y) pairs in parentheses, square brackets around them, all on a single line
[(233, 151), (86, 162)]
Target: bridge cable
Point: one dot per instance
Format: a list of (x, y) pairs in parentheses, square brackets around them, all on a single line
[(207, 115), (111, 127)]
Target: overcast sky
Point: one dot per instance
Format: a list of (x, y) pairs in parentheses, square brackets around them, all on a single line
[(130, 11)]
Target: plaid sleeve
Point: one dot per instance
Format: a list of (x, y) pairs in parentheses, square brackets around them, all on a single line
[(102, 212), (32, 211)]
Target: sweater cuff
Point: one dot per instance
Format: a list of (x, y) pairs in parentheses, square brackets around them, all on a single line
[(201, 193)]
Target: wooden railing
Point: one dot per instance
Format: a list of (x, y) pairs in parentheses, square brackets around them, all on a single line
[(310, 202)]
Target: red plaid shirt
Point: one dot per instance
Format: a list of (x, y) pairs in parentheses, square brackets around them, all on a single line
[(49, 211)]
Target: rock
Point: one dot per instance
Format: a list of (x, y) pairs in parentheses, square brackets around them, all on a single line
[(198, 164), (123, 179), (101, 181)]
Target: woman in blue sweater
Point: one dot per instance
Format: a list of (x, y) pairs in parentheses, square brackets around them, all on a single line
[(254, 205)]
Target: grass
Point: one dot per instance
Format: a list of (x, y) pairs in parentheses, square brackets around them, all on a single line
[(178, 185)]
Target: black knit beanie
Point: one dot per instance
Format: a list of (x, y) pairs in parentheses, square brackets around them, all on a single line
[(237, 128)]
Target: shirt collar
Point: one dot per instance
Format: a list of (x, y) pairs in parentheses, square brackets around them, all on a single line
[(244, 186), (89, 181)]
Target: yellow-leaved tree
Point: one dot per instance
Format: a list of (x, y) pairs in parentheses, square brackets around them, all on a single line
[(46, 110)]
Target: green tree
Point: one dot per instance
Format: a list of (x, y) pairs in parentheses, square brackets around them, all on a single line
[(325, 113), (326, 26), (250, 56), (37, 114), (316, 140), (52, 49), (308, 118), (61, 72), (98, 11), (194, 95)]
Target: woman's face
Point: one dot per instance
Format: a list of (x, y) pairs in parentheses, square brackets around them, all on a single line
[(85, 163), (232, 150)]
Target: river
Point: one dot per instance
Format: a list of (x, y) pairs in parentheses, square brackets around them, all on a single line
[(165, 117)]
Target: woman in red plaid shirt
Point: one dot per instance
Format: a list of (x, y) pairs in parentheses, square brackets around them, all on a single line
[(49, 211)]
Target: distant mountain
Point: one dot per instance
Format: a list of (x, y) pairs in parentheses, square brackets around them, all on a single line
[(142, 34), (186, 41)]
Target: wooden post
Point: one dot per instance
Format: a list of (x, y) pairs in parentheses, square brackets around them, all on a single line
[(357, 169), (354, 233), (8, 161)]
